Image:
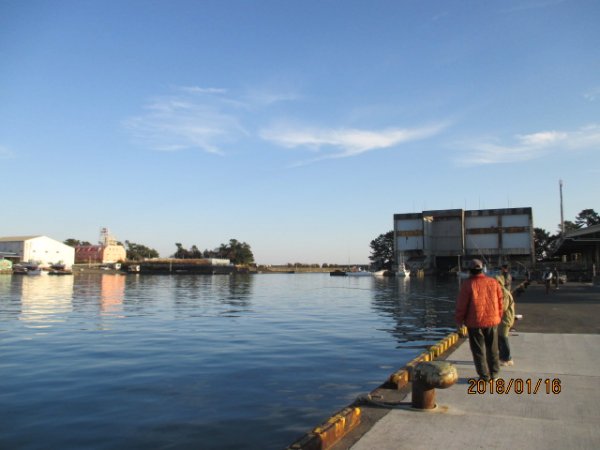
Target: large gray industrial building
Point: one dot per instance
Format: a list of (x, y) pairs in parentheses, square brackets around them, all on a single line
[(445, 239)]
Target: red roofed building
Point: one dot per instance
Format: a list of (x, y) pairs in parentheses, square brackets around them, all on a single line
[(100, 253), (109, 251)]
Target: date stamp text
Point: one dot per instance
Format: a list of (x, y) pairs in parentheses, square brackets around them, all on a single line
[(519, 386)]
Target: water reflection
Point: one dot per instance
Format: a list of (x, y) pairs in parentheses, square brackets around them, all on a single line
[(112, 293), (188, 356), (190, 295), (422, 309), (5, 283), (10, 301), (239, 294), (44, 299)]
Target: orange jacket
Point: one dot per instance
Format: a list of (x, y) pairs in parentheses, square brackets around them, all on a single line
[(479, 303)]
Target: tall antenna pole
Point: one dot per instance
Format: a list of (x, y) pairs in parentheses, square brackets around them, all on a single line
[(562, 218)]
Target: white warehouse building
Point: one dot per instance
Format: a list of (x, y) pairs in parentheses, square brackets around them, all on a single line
[(38, 249)]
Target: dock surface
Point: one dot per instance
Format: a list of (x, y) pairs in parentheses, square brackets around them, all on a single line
[(553, 402)]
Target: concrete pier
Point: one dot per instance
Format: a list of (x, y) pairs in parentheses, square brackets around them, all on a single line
[(549, 399)]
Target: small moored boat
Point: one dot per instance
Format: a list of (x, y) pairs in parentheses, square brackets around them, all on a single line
[(27, 269), (337, 273), (403, 271)]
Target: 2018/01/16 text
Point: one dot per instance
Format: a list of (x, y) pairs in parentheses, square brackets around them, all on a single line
[(519, 386)]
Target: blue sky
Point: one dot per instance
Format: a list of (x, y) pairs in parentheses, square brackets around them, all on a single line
[(299, 127)]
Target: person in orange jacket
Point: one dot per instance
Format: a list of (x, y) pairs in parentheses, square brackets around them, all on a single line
[(479, 308)]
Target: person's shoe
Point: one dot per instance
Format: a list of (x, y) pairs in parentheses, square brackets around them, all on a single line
[(510, 362)]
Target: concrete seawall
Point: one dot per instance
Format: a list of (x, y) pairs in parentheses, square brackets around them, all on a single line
[(556, 348)]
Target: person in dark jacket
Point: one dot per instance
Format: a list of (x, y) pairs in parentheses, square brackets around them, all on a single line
[(479, 308)]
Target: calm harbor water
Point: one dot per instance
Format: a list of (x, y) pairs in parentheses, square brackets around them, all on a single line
[(210, 362)]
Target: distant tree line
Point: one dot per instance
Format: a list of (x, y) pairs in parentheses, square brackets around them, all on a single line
[(237, 252), (75, 242), (139, 252)]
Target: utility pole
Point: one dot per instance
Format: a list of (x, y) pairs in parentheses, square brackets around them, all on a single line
[(562, 218)]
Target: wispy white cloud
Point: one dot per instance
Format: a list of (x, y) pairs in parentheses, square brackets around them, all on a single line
[(191, 117), (541, 139), (528, 147), (6, 153), (344, 142), (205, 118), (210, 118)]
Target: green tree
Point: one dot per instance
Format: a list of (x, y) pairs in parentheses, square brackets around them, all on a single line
[(195, 253), (587, 218), (138, 252), (569, 226), (541, 242), (237, 252), (75, 242), (382, 250), (181, 252)]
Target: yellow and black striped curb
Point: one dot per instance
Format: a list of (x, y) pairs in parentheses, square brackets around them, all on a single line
[(402, 377), (327, 434)]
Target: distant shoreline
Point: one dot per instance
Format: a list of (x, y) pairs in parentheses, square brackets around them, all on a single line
[(82, 268)]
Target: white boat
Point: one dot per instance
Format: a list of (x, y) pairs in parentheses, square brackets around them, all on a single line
[(36, 270), (403, 271), (359, 273)]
